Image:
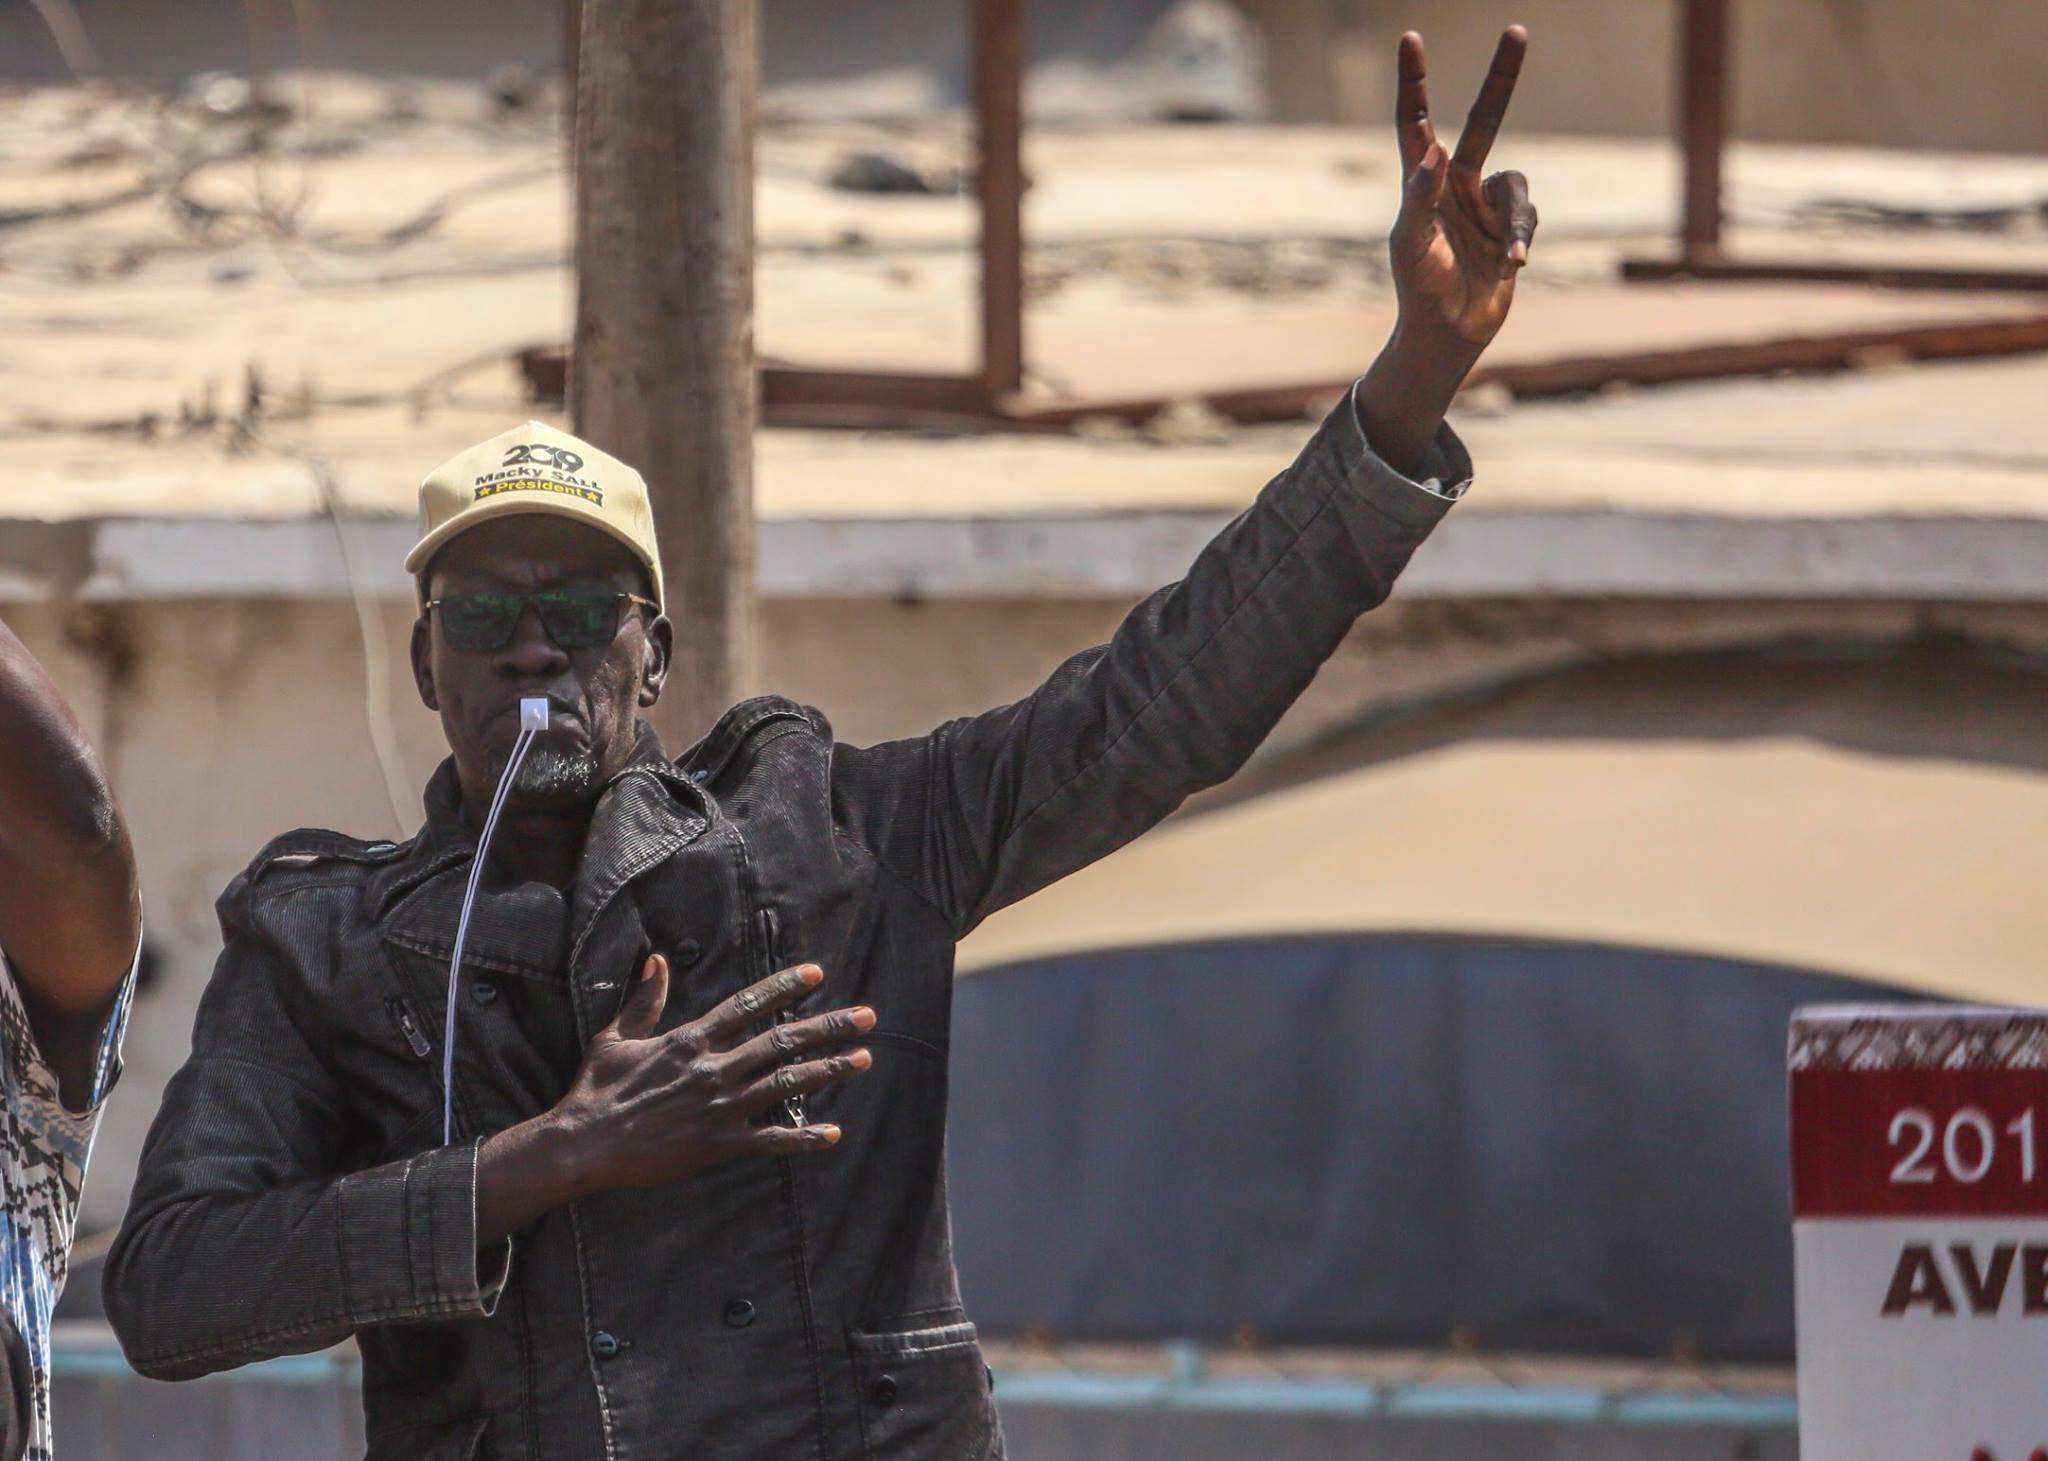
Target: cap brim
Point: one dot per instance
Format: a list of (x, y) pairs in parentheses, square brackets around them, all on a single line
[(512, 504)]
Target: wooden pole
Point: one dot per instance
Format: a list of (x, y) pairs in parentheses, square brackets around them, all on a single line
[(662, 374)]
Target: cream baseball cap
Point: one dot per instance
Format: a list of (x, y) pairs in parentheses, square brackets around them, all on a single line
[(536, 468)]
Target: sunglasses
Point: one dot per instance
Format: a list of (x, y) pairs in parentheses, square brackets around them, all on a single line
[(573, 618)]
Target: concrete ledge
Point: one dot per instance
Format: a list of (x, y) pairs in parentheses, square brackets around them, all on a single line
[(1593, 552), (1697, 556)]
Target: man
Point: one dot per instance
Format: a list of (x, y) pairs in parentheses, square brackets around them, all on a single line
[(70, 930), (696, 1203)]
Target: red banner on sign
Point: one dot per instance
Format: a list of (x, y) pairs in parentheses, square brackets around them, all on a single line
[(1924, 1142)]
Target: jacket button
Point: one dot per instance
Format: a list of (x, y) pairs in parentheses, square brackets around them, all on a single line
[(483, 992), (739, 1313), (604, 1344), (883, 1391), (688, 952)]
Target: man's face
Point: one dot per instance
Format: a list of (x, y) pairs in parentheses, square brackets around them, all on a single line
[(594, 695)]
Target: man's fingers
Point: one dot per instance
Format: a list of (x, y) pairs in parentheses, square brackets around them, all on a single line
[(784, 1043), (1425, 185), (641, 1012), (789, 1141), (800, 1080), (734, 1015), (1483, 122), (1412, 127), (1507, 193)]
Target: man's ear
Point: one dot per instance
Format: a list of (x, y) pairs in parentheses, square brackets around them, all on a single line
[(423, 662), (657, 649)]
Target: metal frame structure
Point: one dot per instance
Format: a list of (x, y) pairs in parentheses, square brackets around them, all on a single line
[(801, 395), (992, 395), (792, 393), (1703, 75)]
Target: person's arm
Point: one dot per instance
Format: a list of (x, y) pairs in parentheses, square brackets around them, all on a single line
[(70, 918), (988, 809), (245, 1237)]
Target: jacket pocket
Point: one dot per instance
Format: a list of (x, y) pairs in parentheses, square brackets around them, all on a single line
[(924, 1393)]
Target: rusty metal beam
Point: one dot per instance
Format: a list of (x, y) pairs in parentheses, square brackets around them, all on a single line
[(1292, 401), (1567, 375), (876, 399), (795, 395), (787, 390), (1703, 121), (998, 30), (1836, 350), (1886, 276), (1703, 91)]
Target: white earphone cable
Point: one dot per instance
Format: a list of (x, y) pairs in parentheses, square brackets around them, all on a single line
[(532, 720)]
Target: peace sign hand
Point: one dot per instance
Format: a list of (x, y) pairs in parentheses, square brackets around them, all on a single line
[(1460, 238)]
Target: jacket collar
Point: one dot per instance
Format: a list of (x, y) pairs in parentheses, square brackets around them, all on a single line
[(646, 812)]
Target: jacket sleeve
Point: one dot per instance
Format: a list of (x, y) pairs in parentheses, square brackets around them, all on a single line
[(245, 1238), (988, 809)]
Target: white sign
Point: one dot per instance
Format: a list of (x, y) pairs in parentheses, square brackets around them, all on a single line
[(1920, 1239)]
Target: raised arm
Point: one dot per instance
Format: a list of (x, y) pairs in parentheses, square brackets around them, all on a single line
[(69, 914), (988, 809)]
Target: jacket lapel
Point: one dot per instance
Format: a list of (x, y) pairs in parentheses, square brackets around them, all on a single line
[(645, 815)]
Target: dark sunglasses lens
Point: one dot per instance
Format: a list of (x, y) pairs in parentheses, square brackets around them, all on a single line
[(580, 620), (479, 622)]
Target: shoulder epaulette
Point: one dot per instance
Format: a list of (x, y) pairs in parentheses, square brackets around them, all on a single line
[(310, 846), (703, 761)]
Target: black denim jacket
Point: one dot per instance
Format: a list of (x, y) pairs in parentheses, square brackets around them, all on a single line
[(295, 1189)]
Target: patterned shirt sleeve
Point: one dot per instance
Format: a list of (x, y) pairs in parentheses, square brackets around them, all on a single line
[(28, 1076), (44, 1148)]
